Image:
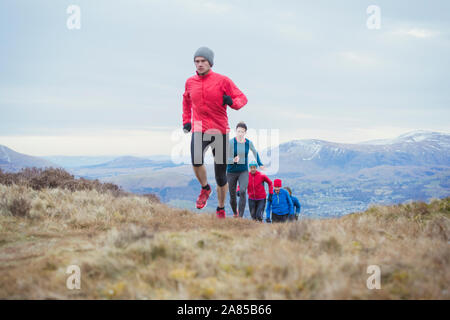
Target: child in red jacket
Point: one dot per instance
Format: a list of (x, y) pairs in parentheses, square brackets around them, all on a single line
[(256, 191)]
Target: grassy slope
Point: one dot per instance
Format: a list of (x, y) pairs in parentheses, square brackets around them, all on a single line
[(128, 247)]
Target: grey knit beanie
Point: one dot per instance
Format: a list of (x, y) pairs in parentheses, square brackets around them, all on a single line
[(206, 53)]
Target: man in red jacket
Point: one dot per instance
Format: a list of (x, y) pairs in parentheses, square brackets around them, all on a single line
[(205, 100), (256, 191)]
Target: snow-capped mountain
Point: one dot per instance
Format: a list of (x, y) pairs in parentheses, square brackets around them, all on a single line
[(413, 136), (417, 148)]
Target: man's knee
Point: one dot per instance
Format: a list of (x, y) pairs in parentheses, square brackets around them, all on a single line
[(242, 193), (221, 180), (221, 174)]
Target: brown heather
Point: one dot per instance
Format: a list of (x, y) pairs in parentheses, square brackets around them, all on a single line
[(38, 179), (133, 247)]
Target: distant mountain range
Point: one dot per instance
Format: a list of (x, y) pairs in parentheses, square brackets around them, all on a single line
[(78, 161), (12, 161), (336, 178), (329, 178), (132, 163), (419, 148), (110, 161)]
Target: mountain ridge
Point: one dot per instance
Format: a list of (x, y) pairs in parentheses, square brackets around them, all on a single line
[(13, 161), (413, 148)]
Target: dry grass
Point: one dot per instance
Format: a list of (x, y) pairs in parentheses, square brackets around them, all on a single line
[(132, 247), (38, 178)]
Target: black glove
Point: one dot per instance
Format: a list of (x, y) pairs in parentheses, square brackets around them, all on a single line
[(268, 220), (227, 100), (269, 198), (187, 127)]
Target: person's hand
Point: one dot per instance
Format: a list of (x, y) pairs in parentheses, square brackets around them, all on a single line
[(269, 198), (268, 220), (227, 100), (236, 159), (187, 127), (262, 167)]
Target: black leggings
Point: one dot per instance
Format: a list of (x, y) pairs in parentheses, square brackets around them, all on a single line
[(257, 208), (200, 142), (280, 218), (233, 178)]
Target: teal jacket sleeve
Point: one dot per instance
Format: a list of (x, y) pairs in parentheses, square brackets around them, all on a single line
[(255, 154)]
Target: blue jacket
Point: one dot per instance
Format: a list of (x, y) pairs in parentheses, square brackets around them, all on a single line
[(281, 204), (297, 204)]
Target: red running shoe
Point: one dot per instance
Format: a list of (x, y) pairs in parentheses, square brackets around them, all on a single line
[(203, 198), (236, 215), (220, 213)]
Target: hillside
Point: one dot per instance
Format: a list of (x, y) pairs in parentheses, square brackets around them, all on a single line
[(13, 161), (131, 247), (330, 179)]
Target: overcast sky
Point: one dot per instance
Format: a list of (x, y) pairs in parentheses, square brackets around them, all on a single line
[(310, 69)]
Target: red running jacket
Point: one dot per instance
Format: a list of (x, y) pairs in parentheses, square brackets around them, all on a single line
[(203, 101), (255, 188)]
